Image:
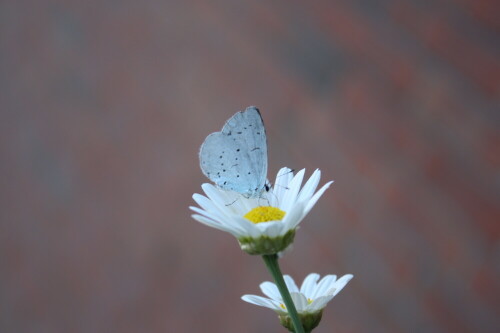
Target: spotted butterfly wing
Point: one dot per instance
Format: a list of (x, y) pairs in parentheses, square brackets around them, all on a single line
[(236, 158)]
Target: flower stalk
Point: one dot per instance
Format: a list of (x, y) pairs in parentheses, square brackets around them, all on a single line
[(272, 265)]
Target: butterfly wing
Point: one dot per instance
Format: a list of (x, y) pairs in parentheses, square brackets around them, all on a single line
[(236, 158)]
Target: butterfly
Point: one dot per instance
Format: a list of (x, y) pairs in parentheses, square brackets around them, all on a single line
[(235, 158)]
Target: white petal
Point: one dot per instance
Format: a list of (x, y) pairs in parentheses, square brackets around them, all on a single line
[(316, 196), (216, 225), (240, 226), (270, 290), (341, 283), (292, 287), (319, 303), (209, 206), (212, 192), (283, 177), (294, 216), (310, 186), (300, 302), (262, 301), (271, 229), (251, 230), (271, 198), (326, 283), (210, 214), (293, 188), (241, 205), (215, 214), (309, 284), (204, 202), (223, 200)]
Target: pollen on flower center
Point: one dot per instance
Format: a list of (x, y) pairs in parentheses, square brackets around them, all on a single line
[(264, 214)]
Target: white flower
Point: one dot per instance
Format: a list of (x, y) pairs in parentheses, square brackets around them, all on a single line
[(263, 225), (310, 299)]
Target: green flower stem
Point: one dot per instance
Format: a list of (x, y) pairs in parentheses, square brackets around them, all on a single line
[(273, 267)]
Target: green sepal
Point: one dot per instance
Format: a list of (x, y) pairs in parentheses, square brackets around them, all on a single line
[(309, 320), (265, 245)]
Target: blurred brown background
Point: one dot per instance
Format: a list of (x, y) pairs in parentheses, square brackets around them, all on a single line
[(104, 105)]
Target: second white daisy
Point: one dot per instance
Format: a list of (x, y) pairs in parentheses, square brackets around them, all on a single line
[(264, 225), (309, 300)]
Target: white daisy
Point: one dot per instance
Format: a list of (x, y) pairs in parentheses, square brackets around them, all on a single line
[(309, 301), (263, 225)]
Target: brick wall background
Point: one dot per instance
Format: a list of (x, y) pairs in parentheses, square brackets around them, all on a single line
[(104, 106)]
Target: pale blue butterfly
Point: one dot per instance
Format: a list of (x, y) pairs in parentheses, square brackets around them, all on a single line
[(236, 158)]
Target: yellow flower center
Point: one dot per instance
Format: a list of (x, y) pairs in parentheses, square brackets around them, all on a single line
[(309, 301), (264, 214)]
